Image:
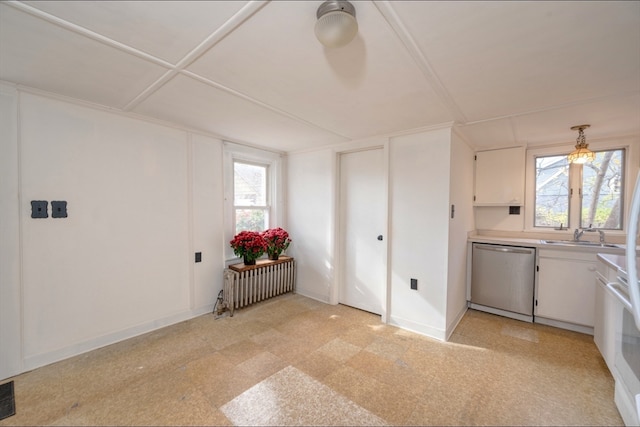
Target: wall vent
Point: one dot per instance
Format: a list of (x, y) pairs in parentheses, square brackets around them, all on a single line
[(7, 400)]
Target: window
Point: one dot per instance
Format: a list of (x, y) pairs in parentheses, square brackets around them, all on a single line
[(253, 191), (580, 196), (250, 197)]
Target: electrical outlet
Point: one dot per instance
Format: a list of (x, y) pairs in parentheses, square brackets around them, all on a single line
[(414, 284), (58, 209), (39, 209)]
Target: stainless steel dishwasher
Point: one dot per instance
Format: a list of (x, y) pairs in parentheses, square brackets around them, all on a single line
[(502, 280)]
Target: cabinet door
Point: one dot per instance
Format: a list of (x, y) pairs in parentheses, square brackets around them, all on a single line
[(599, 328), (604, 329), (608, 314), (500, 177), (566, 290)]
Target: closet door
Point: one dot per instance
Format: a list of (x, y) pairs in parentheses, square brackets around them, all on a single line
[(362, 207)]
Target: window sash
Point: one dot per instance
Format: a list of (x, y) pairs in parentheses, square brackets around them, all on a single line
[(251, 220), (608, 181), (261, 194), (561, 209)]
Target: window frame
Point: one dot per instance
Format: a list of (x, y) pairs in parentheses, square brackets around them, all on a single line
[(575, 176), (275, 187), (623, 202)]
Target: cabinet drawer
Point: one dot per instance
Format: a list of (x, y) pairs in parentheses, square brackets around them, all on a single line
[(568, 254)]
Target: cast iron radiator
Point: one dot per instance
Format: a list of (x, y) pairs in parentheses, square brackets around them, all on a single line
[(245, 285)]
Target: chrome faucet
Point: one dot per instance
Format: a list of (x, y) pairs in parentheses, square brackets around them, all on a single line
[(578, 233)]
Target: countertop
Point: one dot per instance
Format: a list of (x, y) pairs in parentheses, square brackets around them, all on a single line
[(538, 243), (613, 260), (618, 262)]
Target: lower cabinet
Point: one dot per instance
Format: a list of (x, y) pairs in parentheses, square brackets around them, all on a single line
[(608, 312), (566, 290)]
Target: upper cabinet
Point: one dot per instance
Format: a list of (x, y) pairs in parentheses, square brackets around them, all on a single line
[(500, 177)]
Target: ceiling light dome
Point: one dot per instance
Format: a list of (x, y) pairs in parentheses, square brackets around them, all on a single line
[(336, 25)]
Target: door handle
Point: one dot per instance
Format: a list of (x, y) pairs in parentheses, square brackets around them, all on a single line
[(380, 237)]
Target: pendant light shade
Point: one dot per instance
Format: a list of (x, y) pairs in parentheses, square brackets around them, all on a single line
[(336, 25), (581, 154)]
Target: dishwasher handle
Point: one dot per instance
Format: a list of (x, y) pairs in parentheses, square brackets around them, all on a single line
[(508, 249)]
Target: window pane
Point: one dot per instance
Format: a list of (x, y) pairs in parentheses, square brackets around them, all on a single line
[(249, 185), (552, 192), (602, 183), (251, 220)]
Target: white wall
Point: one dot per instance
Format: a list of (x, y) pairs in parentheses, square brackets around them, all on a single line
[(311, 221), (142, 198), (498, 218), (208, 218), (419, 211), (10, 335), (461, 195)]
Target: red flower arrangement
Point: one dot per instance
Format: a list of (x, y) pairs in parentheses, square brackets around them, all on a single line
[(250, 245), (277, 241)]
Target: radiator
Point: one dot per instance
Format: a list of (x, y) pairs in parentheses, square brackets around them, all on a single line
[(246, 285)]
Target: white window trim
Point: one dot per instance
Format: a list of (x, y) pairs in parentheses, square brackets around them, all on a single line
[(631, 170), (275, 182)]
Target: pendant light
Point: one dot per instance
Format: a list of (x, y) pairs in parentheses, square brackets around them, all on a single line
[(581, 154), (336, 25)]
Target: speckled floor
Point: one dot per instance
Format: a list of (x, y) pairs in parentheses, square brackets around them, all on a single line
[(295, 361)]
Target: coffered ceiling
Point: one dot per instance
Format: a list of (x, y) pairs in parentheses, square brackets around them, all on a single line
[(507, 73)]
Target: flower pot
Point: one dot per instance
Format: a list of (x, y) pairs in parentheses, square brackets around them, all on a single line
[(249, 261), (273, 257)]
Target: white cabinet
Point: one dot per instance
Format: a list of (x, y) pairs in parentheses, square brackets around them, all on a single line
[(566, 290), (499, 178), (608, 311)]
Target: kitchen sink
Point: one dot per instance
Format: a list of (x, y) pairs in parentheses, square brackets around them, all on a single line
[(580, 243)]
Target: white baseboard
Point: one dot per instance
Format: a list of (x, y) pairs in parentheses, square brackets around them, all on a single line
[(313, 295), (452, 326), (564, 325), (419, 328), (42, 359), (510, 314)]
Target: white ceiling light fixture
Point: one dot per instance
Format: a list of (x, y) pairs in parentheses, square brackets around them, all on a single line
[(336, 25), (581, 154)]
